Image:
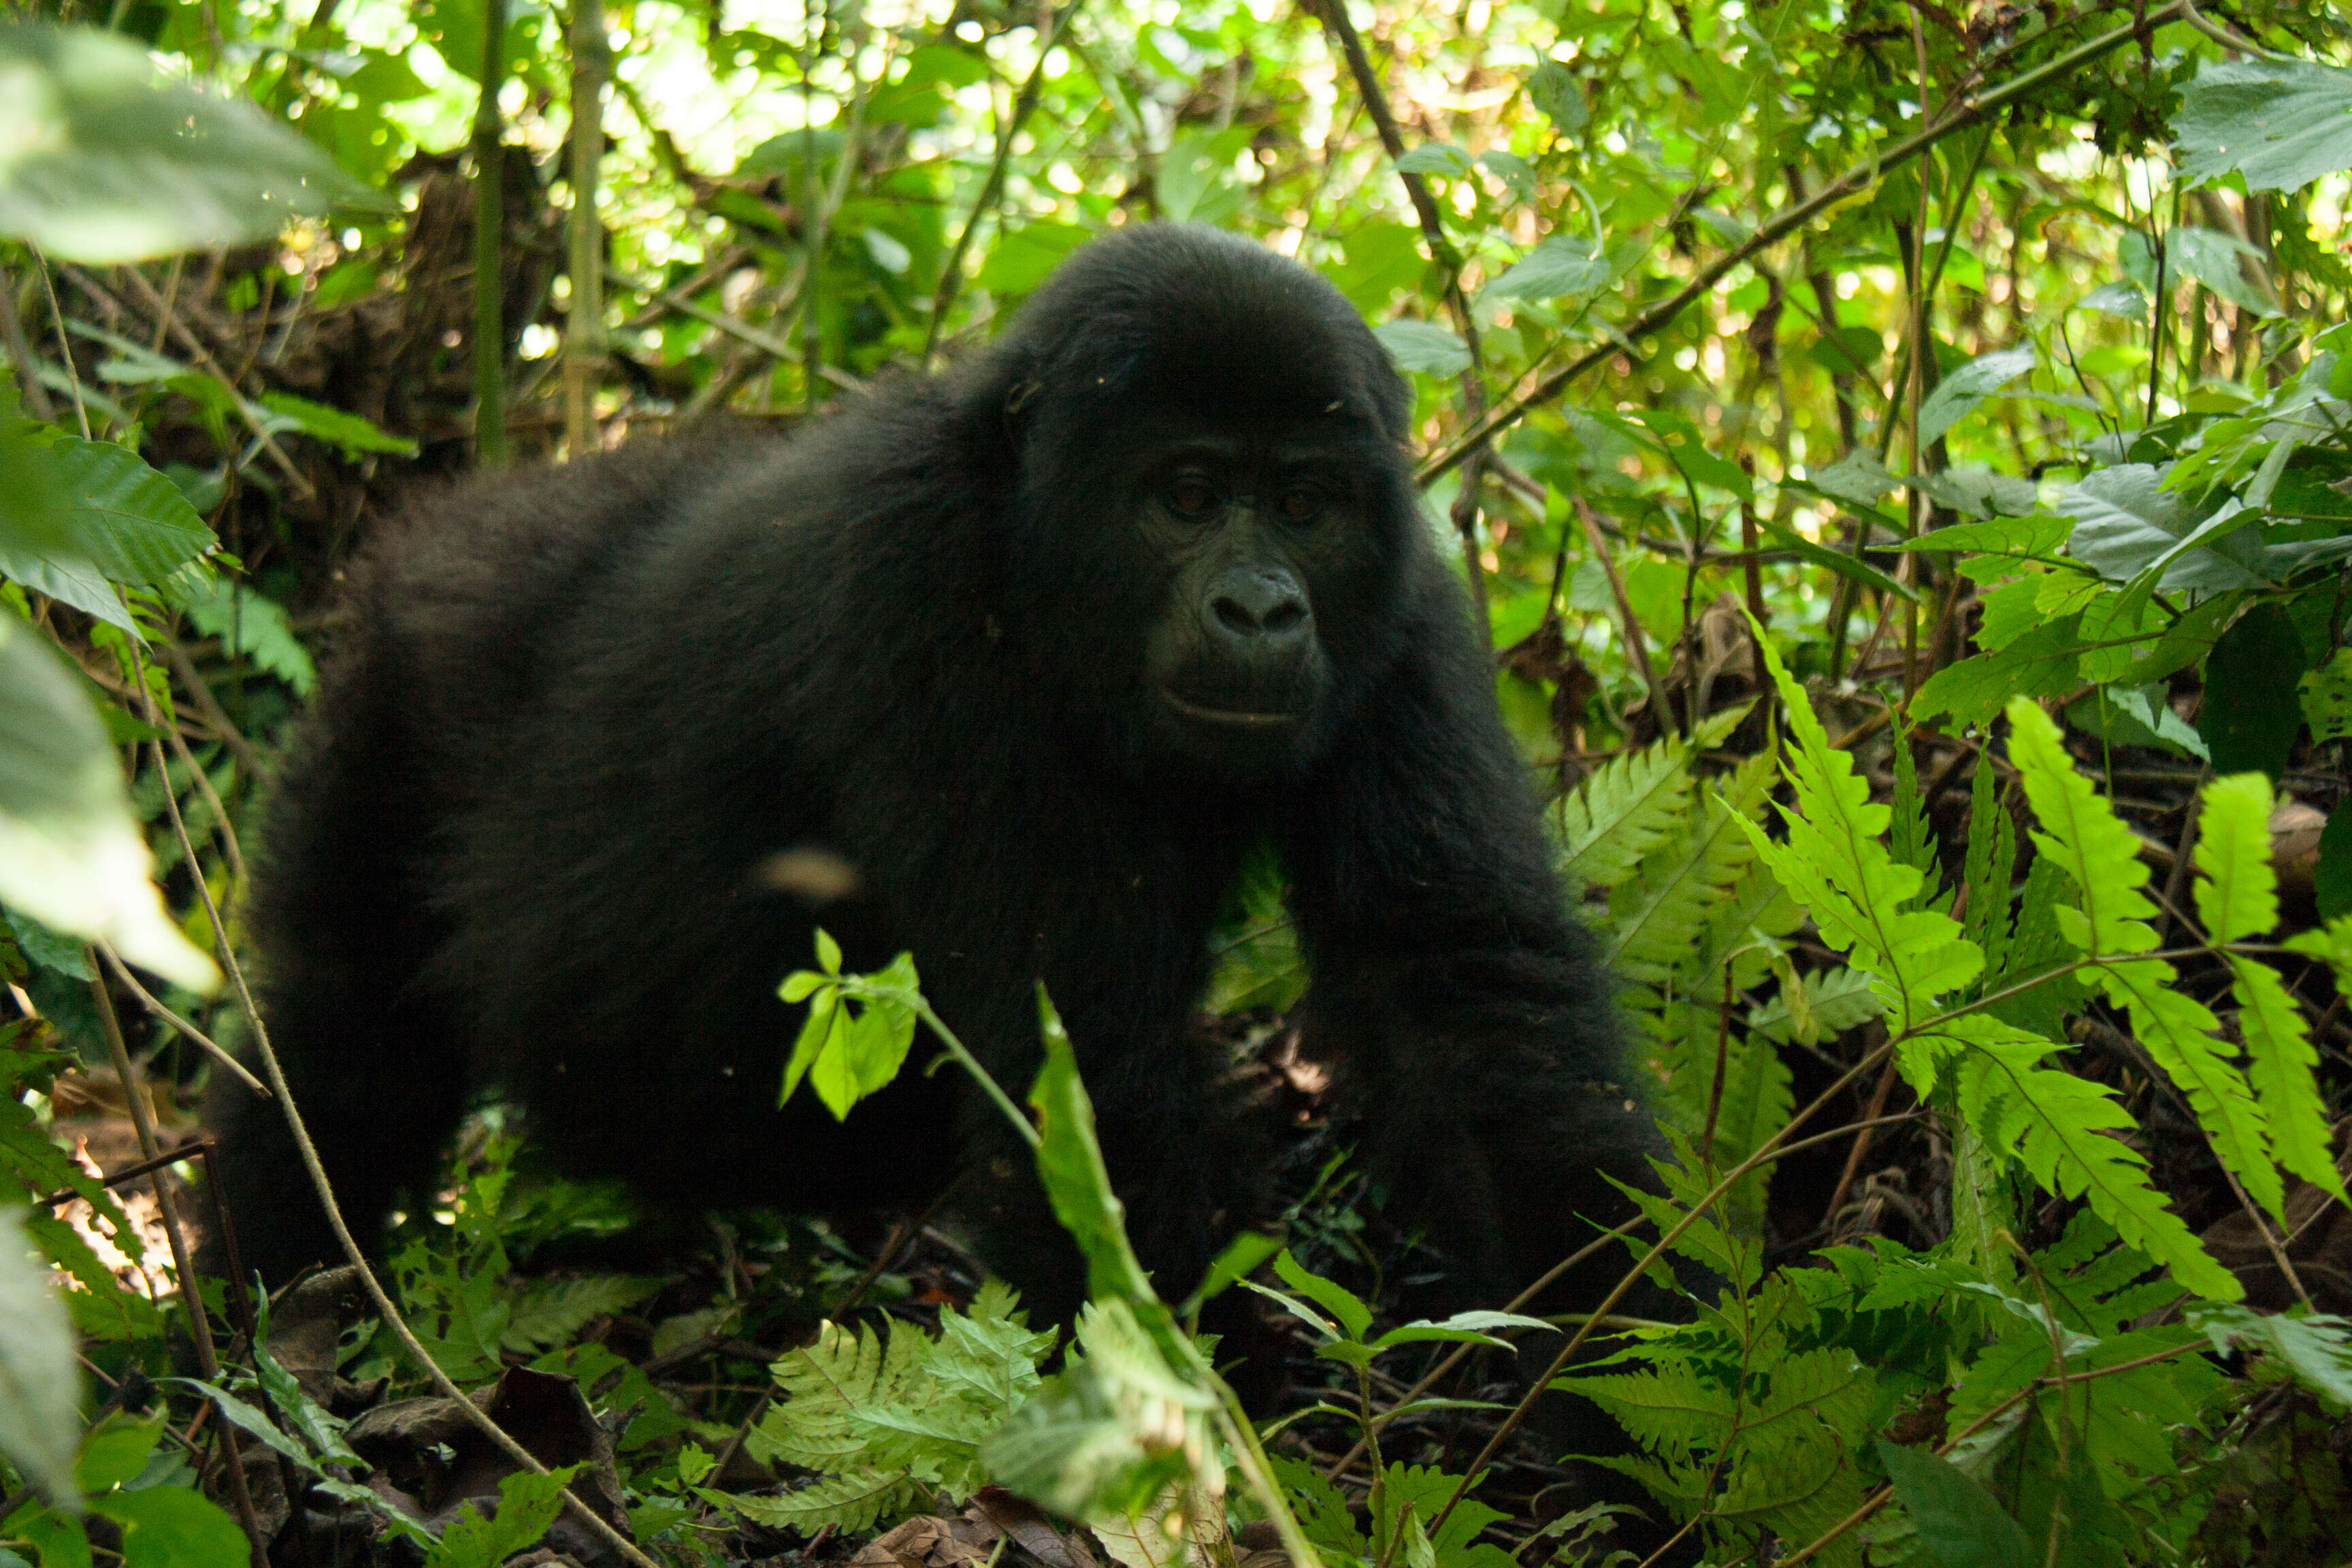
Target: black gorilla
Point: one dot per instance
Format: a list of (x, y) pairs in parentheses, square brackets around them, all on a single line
[(1042, 650)]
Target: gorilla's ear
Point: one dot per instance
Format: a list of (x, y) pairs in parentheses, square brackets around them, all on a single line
[(990, 403)]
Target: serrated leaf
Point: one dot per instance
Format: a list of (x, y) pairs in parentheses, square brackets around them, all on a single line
[(1623, 811), (1561, 268), (854, 1501), (1342, 1304), (2280, 123), (1836, 864), (1671, 1410), (2059, 1126), (1423, 346), (1960, 391)]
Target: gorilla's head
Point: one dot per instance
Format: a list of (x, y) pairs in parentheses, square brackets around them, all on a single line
[(1212, 510)]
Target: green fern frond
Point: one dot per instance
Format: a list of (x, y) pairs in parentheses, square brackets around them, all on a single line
[(2059, 1126), (551, 1311), (1659, 920), (1991, 861), (855, 1501), (1669, 1410), (2237, 895), (1835, 864), (2279, 1066), (2084, 835), (1913, 841), (1838, 999), (2081, 832), (1623, 812)]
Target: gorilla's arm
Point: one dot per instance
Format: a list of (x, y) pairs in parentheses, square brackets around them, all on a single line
[(1469, 1012)]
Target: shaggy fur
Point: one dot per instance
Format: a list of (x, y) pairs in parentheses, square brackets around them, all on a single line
[(575, 711)]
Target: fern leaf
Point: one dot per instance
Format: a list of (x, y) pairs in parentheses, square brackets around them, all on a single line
[(551, 1311), (1669, 1410), (1992, 862), (1660, 920), (2081, 833), (2178, 1031), (2237, 897), (2059, 1126), (2084, 835), (1623, 812), (1837, 998), (855, 1501), (1836, 865), (2279, 1064), (1913, 842)]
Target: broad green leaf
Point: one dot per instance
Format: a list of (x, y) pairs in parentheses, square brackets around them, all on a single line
[(1553, 89), (2213, 258), (2251, 713), (251, 1421), (176, 1526), (2125, 520), (1959, 392), (104, 160), (2326, 695), (1070, 1163), (2044, 662), (1234, 1264), (1961, 1524), (1561, 267), (1423, 346), (95, 502), (2318, 1351), (335, 427), (40, 1385), (71, 855), (2280, 123), (1858, 477), (115, 1450)]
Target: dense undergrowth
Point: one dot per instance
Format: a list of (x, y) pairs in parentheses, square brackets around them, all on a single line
[(1903, 457)]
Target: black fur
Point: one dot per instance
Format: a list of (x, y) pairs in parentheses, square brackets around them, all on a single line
[(575, 711)]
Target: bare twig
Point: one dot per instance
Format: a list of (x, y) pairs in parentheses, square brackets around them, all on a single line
[(147, 1000), (184, 669), (1637, 652)]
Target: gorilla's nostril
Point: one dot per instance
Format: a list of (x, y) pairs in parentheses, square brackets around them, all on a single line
[(1235, 615), (1284, 617)]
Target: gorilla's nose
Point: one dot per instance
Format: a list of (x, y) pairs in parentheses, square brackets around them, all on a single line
[(1259, 611)]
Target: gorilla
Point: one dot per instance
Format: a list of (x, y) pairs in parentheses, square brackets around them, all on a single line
[(1033, 656)]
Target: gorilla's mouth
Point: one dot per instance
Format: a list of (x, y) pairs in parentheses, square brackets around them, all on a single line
[(1232, 717)]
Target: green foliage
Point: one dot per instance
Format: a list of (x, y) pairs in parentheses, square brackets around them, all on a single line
[(884, 1420), (528, 1504)]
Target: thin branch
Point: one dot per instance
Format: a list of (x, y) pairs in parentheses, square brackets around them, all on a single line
[(583, 323), (147, 1000), (490, 221), (1852, 183), (951, 270), (1465, 517), (308, 1151)]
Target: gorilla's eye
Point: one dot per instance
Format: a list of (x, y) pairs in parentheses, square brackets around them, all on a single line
[(1300, 505), (1191, 497)]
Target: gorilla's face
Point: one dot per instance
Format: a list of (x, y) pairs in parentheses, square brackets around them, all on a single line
[(1262, 545)]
